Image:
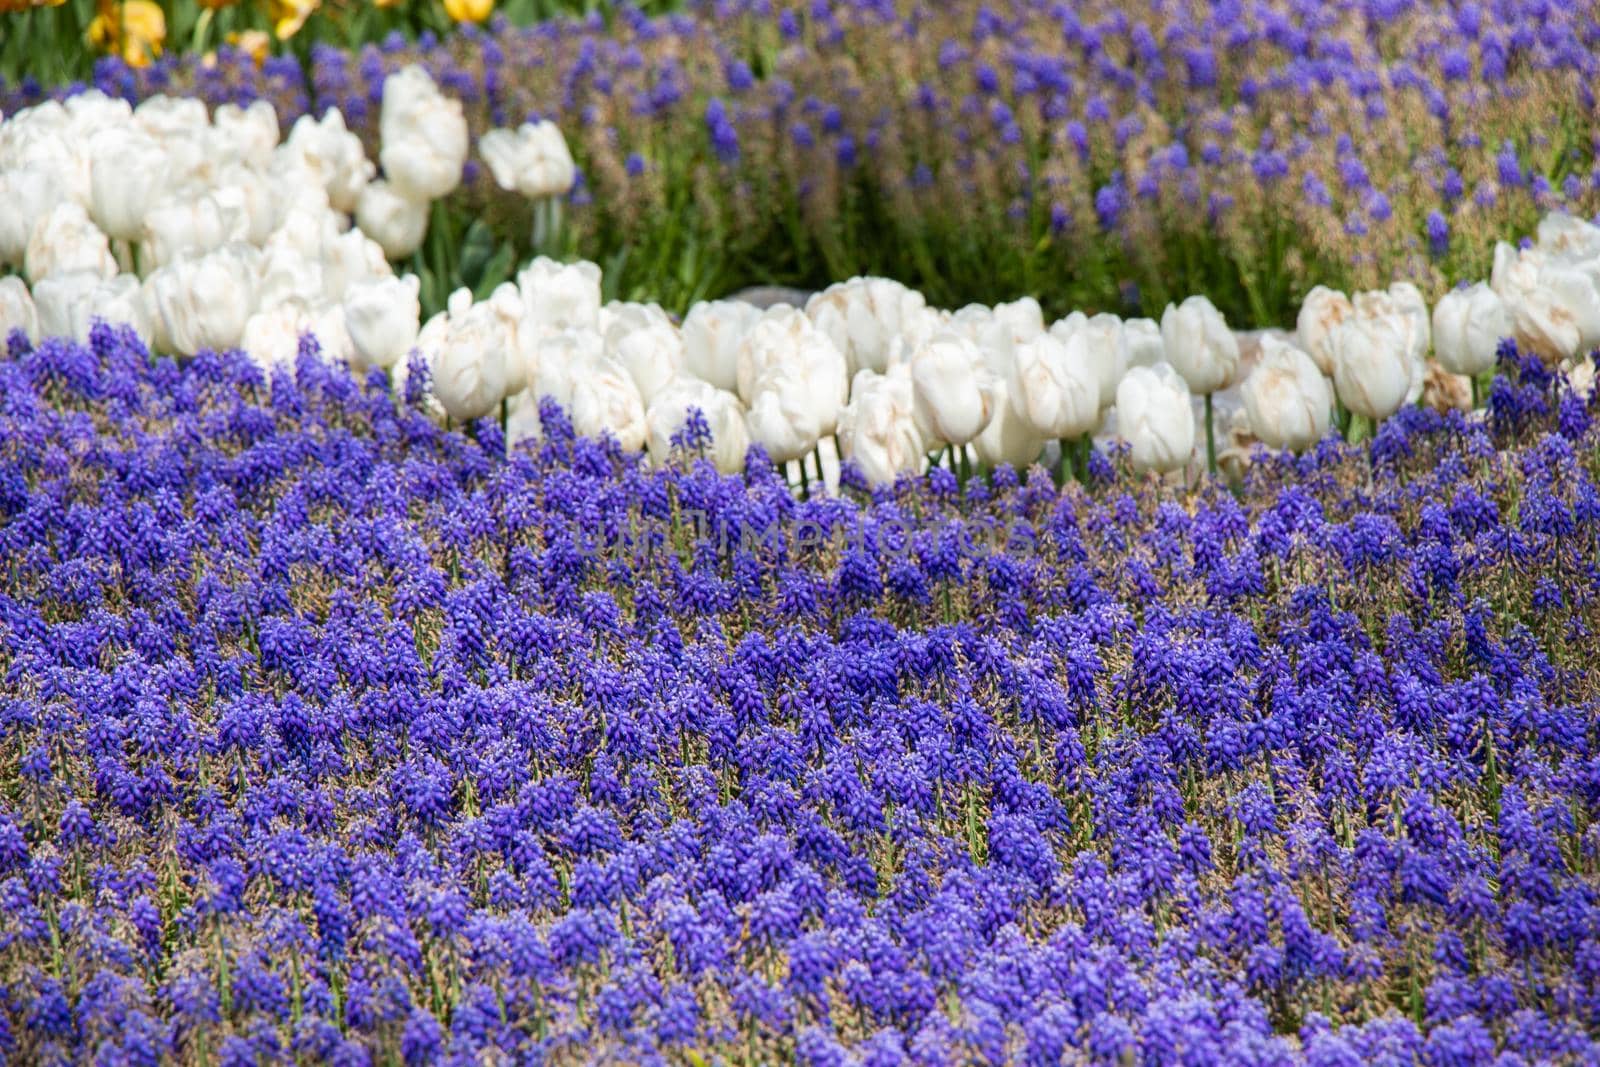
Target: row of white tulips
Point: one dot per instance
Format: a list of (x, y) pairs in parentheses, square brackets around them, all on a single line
[(203, 231)]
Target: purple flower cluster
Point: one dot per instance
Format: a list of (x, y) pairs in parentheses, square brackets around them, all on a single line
[(1096, 155), (328, 735)]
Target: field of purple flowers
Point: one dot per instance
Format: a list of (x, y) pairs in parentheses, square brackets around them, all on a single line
[(328, 735), (1102, 156)]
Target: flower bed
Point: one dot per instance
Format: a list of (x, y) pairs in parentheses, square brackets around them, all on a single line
[(329, 734)]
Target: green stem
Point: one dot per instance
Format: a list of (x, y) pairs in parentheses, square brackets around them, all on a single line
[(1477, 399), (1211, 439)]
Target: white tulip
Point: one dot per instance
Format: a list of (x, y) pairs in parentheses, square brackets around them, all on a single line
[(349, 258), (1055, 384), (1402, 302), (605, 401), (246, 192), (1145, 347), (563, 355), (332, 333), (190, 225), (333, 156), (1320, 314), (468, 356), (533, 160), (1154, 417), (297, 189), (785, 416), (522, 336), (724, 416), (1023, 317), (272, 335), (29, 193), (17, 310), (383, 317), (70, 304), (878, 428), (249, 134), (1372, 367), (1552, 311), (1009, 437), (424, 136), (204, 302), (1403, 307), (1286, 397), (65, 241), (1468, 326), (165, 117), (397, 223), (1106, 342), (711, 334), (953, 388), (784, 335), (644, 340), (287, 275), (93, 110), (1199, 344), (1560, 234), (127, 172), (862, 317), (561, 296)]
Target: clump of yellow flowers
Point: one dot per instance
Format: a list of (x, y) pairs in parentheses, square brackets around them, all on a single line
[(468, 10), (133, 29), (136, 30)]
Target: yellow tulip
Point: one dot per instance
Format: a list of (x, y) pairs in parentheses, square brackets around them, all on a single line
[(289, 15), (468, 10), (134, 30), (254, 43), (387, 3)]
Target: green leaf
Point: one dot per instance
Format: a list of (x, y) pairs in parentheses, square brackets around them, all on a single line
[(498, 269)]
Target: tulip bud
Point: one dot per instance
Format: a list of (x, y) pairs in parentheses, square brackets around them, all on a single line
[(561, 296), (382, 315), (333, 156), (878, 428), (953, 389), (1155, 418), (424, 136), (711, 334), (1055, 383), (863, 316), (204, 302), (469, 352), (248, 134), (1468, 326), (1286, 397), (127, 172), (1372, 366), (533, 161), (723, 414), (29, 193), (65, 241), (785, 417), (1199, 344), (395, 222), (784, 335), (644, 340), (1320, 314), (605, 401), (70, 304)]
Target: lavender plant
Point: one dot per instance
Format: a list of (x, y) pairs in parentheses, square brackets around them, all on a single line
[(1096, 156), (328, 735)]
